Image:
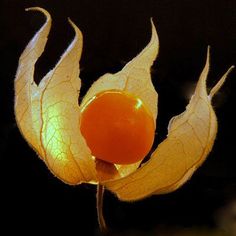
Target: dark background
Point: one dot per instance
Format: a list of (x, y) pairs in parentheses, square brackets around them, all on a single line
[(114, 32)]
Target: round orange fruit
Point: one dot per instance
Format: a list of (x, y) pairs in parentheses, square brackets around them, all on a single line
[(117, 127)]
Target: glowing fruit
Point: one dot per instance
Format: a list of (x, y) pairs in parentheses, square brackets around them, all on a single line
[(117, 126)]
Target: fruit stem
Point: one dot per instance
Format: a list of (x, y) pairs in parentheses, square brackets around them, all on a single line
[(101, 221)]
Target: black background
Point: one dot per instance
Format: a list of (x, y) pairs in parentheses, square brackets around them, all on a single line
[(114, 32)]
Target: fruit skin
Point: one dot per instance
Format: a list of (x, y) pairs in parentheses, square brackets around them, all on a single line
[(117, 127)]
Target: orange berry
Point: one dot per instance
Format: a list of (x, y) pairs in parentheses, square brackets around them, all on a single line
[(117, 126)]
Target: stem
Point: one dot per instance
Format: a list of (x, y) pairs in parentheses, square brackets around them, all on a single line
[(101, 221)]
